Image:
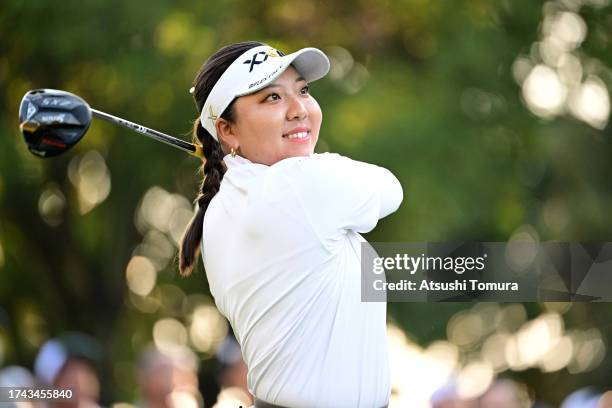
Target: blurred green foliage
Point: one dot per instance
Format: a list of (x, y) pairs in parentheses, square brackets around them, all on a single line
[(424, 88)]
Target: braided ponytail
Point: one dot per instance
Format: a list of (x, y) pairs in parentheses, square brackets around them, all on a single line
[(213, 168)]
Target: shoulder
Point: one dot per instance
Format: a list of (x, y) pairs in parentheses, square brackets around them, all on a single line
[(323, 176)]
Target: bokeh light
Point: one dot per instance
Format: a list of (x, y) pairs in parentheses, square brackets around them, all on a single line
[(172, 299), (544, 92), (465, 328), (493, 351), (566, 28), (590, 102), (589, 350), (347, 74), (522, 249), (141, 275), (551, 77), (169, 335), (90, 176), (208, 328), (157, 248), (146, 304), (166, 212), (32, 327), (474, 379), (51, 205)]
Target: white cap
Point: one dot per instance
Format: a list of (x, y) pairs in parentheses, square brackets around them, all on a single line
[(50, 360), (255, 69)]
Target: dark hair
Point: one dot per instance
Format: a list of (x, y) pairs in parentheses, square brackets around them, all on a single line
[(213, 167)]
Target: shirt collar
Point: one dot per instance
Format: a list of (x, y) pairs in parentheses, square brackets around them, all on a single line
[(237, 160), (240, 171)]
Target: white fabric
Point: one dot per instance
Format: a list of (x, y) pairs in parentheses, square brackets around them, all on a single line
[(255, 69), (281, 249)]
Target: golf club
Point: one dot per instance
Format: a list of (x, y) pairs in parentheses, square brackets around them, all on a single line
[(52, 121)]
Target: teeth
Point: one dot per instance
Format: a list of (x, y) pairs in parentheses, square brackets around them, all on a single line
[(299, 135)]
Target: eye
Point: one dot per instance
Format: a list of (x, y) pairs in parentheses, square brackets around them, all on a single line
[(305, 90), (272, 97)]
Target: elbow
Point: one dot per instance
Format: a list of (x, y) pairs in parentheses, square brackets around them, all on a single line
[(397, 193), (392, 195)]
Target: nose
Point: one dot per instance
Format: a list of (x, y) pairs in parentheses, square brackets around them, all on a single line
[(297, 109)]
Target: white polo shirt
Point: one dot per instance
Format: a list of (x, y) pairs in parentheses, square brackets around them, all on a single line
[(281, 249)]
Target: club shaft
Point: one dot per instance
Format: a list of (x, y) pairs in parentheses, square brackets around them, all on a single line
[(153, 134)]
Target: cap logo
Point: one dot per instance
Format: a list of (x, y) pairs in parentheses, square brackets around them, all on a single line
[(255, 60), (211, 114), (273, 53)]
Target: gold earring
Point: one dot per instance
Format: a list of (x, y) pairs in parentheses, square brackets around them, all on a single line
[(233, 152)]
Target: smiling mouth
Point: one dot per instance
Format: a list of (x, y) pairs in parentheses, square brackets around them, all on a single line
[(297, 135)]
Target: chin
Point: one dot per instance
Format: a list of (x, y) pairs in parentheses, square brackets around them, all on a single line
[(302, 152), (298, 150)]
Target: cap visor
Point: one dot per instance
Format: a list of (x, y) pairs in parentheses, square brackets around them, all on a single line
[(310, 63)]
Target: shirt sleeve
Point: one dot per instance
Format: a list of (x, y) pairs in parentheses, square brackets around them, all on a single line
[(339, 194)]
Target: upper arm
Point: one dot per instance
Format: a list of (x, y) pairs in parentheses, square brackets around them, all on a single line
[(338, 193)]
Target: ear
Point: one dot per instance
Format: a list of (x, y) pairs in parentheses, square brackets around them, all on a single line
[(226, 132)]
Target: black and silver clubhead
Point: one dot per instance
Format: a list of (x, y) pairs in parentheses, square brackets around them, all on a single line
[(52, 121)]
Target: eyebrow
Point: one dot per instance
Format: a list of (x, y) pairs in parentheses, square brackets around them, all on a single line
[(298, 79)]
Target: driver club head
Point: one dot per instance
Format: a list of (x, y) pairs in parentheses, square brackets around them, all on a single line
[(52, 121)]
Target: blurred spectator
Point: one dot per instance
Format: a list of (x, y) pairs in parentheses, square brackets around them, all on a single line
[(586, 397), (606, 400), (233, 374), (505, 393), (169, 379), (69, 363), (447, 397), (78, 375), (15, 376)]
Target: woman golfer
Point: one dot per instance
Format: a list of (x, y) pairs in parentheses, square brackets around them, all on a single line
[(279, 232)]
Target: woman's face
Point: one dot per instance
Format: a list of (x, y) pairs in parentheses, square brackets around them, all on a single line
[(279, 121)]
